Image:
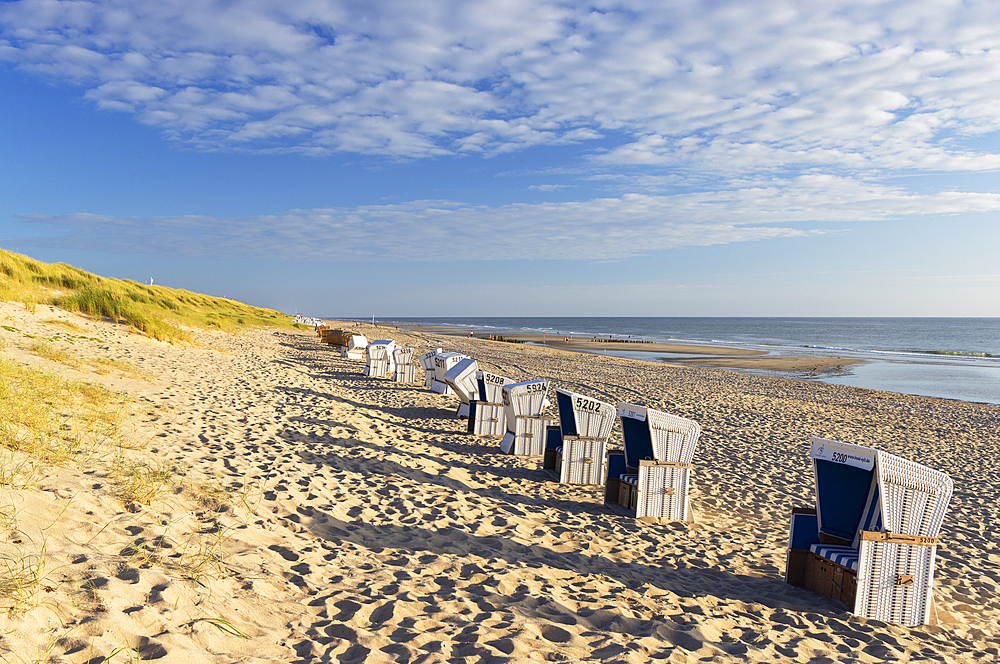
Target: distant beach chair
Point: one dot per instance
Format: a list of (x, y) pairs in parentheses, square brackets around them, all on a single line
[(336, 338), (486, 414), (871, 540), (355, 348), (651, 478), (442, 363), (575, 451), (406, 371), (427, 364), (461, 378), (523, 404), (378, 359)]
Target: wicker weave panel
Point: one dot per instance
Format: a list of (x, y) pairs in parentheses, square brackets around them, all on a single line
[(583, 461), (593, 418), (879, 593), (674, 438), (529, 436), (402, 355), (405, 373), (654, 501), (427, 364), (484, 425), (378, 368), (914, 497)]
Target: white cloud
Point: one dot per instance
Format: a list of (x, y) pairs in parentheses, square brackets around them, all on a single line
[(598, 229), (548, 187), (723, 87)]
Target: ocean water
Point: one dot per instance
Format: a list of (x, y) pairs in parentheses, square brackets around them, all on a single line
[(953, 358)]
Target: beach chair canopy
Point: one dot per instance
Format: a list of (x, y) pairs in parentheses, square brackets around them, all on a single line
[(427, 359), (582, 416), (491, 387), (462, 378), (357, 341), (381, 349), (445, 361), (655, 435), (427, 363), (442, 363), (863, 489), (524, 399), (402, 355)]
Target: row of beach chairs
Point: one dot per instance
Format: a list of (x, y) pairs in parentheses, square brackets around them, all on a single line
[(869, 541)]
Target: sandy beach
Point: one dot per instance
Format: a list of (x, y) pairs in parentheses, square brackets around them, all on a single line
[(314, 514)]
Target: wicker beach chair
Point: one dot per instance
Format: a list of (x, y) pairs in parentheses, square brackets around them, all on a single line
[(427, 364), (871, 540), (523, 404), (442, 363), (355, 348), (486, 414), (575, 451), (651, 478), (337, 338), (406, 371), (379, 360), (461, 378)]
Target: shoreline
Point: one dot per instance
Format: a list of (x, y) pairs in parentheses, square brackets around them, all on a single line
[(721, 357), (956, 376)]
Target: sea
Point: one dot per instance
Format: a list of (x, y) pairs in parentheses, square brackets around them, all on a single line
[(951, 358)]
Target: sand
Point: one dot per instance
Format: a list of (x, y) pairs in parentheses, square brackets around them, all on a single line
[(700, 355), (368, 527)]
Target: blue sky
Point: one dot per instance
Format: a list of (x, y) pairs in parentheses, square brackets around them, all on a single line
[(512, 157)]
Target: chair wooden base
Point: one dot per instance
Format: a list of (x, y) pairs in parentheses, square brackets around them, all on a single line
[(825, 577)]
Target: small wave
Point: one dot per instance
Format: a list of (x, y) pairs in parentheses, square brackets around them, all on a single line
[(957, 353)]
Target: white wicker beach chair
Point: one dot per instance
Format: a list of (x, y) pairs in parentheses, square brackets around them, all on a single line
[(486, 414), (525, 424), (651, 478), (461, 378), (427, 363), (575, 451), (406, 371), (442, 363), (871, 540), (355, 348), (379, 360)]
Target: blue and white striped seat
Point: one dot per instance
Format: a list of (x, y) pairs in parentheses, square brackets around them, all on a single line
[(842, 555), (629, 478)]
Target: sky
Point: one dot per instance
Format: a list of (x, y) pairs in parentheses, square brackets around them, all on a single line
[(512, 157)]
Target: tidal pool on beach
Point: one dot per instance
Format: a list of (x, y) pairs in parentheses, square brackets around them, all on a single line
[(976, 381)]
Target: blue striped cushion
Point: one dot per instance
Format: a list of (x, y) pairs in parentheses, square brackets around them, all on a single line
[(629, 478), (559, 449), (842, 555)]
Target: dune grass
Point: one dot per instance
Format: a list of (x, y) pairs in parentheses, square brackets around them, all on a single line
[(156, 311), (52, 419), (100, 365)]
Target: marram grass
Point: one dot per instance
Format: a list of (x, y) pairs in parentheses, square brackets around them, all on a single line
[(156, 311)]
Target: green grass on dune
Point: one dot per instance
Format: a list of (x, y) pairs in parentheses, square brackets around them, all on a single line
[(156, 311)]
